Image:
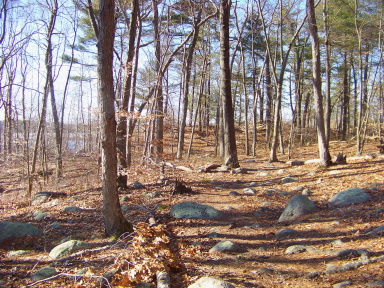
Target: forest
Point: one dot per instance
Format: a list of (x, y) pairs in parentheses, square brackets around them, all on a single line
[(117, 112)]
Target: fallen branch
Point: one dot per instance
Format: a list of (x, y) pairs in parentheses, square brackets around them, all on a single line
[(178, 167)]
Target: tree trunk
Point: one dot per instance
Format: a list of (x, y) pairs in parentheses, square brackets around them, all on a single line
[(114, 221), (121, 132), (325, 157), (229, 137), (186, 78)]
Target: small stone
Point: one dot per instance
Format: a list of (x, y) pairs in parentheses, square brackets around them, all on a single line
[(306, 192), (125, 208), (334, 172), (338, 242), (284, 193), (265, 271), (335, 223), (72, 209), (287, 180), (377, 211), (252, 184), (379, 229), (249, 191), (153, 194), (55, 225), (18, 253), (125, 198), (313, 275), (295, 249), (298, 188), (379, 283), (73, 198), (40, 216), (44, 273), (67, 247), (234, 193), (226, 246), (319, 180), (213, 235), (138, 185), (263, 174), (286, 232), (255, 225), (342, 284), (266, 204), (281, 171)]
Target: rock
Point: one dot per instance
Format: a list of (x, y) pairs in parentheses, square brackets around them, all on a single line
[(234, 193), (378, 211), (223, 168), (286, 232), (342, 284), (334, 172), (212, 235), (72, 209), (295, 249), (55, 225), (192, 210), (249, 191), (350, 196), (40, 215), (138, 185), (13, 230), (18, 253), (379, 229), (125, 208), (287, 180), (44, 273), (40, 198), (298, 188), (255, 225), (265, 271), (226, 246), (298, 207), (271, 191), (210, 282), (281, 171), (239, 171), (252, 184), (263, 174), (67, 248), (125, 198), (306, 192), (379, 283), (153, 194)]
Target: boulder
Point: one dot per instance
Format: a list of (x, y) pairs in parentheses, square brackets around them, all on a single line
[(13, 230), (211, 282), (192, 210), (287, 180), (226, 246), (44, 273), (297, 207), (350, 196), (67, 248)]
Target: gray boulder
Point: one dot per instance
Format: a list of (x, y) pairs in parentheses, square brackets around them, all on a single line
[(40, 198), (297, 207), (44, 273), (210, 282), (192, 210), (67, 247), (287, 180), (226, 246), (350, 196), (13, 230), (379, 229)]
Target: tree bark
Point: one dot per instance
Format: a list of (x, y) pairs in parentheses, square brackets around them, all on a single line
[(325, 158), (114, 221), (230, 150)]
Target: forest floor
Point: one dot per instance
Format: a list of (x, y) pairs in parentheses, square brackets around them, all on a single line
[(263, 264)]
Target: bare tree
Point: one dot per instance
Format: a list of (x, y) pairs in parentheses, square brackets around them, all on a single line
[(325, 157), (228, 121), (114, 221)]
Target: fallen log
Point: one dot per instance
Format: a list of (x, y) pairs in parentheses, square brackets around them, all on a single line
[(178, 167)]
